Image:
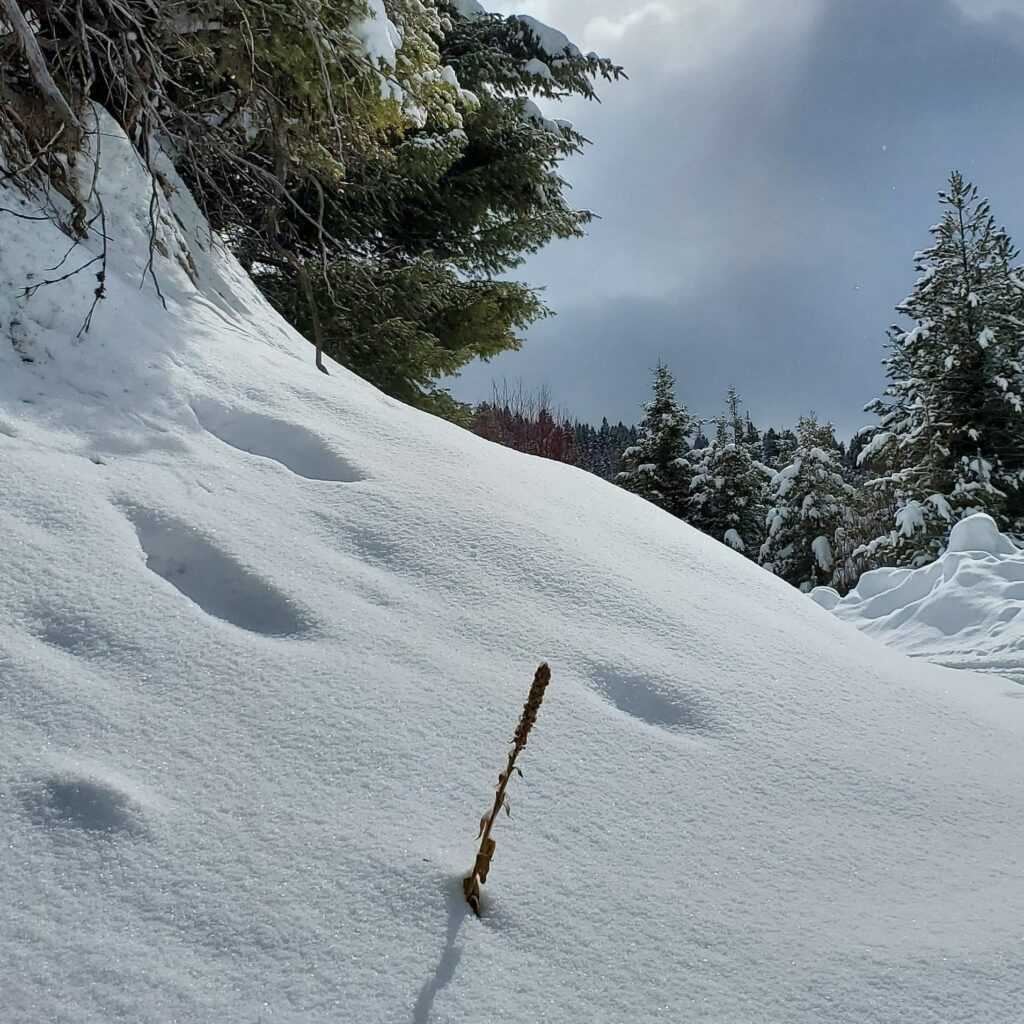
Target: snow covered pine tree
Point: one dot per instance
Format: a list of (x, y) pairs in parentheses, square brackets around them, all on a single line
[(951, 437), (809, 499), (728, 485), (658, 467)]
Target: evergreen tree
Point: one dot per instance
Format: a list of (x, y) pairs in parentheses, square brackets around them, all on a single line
[(700, 439), (869, 514), (603, 450), (727, 490), (752, 438), (853, 471), (620, 439), (429, 226), (585, 445), (808, 518), (594, 449), (784, 447), (263, 107), (657, 466), (951, 436), (376, 165)]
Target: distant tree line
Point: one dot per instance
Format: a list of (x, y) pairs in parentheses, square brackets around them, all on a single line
[(949, 440), (528, 422)]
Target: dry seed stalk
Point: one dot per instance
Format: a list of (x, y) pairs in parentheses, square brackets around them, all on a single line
[(472, 882)]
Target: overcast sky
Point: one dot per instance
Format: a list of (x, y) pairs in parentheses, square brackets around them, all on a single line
[(763, 181)]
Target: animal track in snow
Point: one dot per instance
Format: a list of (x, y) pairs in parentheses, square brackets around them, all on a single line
[(636, 695), (86, 635), (212, 578), (294, 447), (72, 632), (90, 804)]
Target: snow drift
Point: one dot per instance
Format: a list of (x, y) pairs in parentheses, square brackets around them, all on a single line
[(264, 635), (963, 610)]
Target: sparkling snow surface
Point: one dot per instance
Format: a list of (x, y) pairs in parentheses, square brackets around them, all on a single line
[(264, 635), (965, 610)]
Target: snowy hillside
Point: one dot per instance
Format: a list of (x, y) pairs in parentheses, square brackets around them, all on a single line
[(264, 636), (963, 610)]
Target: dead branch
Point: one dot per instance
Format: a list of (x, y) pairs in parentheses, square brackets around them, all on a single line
[(37, 66)]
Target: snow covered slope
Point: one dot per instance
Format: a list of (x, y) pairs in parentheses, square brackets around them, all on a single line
[(963, 610), (264, 635)]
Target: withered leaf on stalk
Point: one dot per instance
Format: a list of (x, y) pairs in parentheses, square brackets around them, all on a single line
[(472, 882)]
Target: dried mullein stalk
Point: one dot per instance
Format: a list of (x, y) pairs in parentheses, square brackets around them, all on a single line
[(472, 882)]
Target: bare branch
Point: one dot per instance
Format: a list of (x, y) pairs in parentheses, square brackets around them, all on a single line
[(37, 65)]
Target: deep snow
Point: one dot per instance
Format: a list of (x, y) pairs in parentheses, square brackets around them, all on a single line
[(963, 610), (264, 635)]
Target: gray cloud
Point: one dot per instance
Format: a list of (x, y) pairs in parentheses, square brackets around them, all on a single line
[(763, 181)]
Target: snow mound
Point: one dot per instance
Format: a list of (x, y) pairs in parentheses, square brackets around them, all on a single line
[(265, 634), (963, 610), (980, 533)]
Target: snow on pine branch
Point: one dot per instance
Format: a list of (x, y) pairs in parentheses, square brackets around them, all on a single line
[(377, 35)]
